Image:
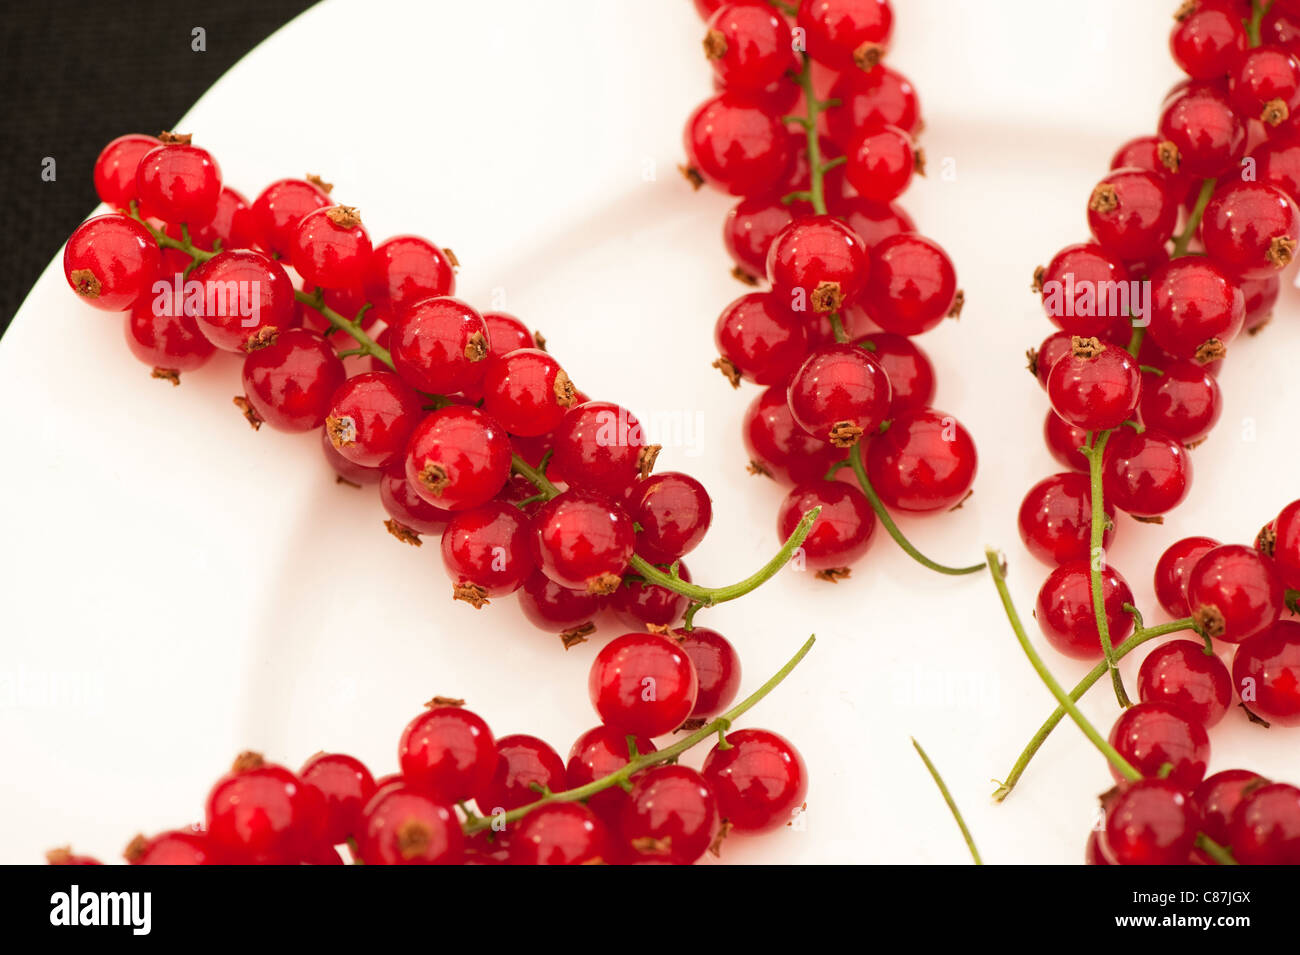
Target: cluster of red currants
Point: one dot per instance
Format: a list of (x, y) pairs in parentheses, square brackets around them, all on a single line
[(816, 135), (469, 427), (618, 799)]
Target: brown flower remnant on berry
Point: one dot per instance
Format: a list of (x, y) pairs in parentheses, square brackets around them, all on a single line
[(728, 370), (650, 846), (319, 183), (758, 468), (1156, 519), (85, 283), (965, 498), (603, 584), (340, 479), (1104, 199), (1210, 350), (434, 477), (438, 701), (473, 594), (251, 416), (166, 374), (59, 856), (540, 339), (958, 303), (1187, 8), (866, 56), (918, 161), (1210, 620), (134, 849), (565, 393), (645, 459), (715, 847), (833, 575), (576, 635), (826, 297), (844, 434), (1280, 251), (1169, 156), (1266, 540), (1085, 348), (247, 760), (413, 838), (1039, 272), (264, 337), (1254, 718), (403, 533), (342, 431), (1275, 112), (740, 275), (715, 45), (345, 217), (451, 257), (1032, 355), (663, 630), (174, 139), (476, 346), (691, 725), (692, 176)]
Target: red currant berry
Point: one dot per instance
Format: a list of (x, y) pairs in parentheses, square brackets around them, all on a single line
[(674, 512), (736, 146), (507, 333), (178, 183), (1234, 592), (1196, 309), (880, 163), (842, 531), (717, 669), (913, 285), (749, 229), (1132, 214), (1182, 675), (873, 222), (1044, 358), (526, 768), (457, 458), (843, 34), (1261, 295), (116, 166), (1286, 544), (1144, 152), (643, 683), (291, 381), (1065, 441), (879, 97), (1281, 26), (671, 816), (1073, 287), (527, 391), (486, 552), (760, 339), (1265, 85), (1151, 823), (406, 269), (637, 603), (247, 299), (257, 814), (280, 207), (582, 541), (370, 418), (111, 262), (232, 224), (1265, 828), (177, 847), (166, 338), (1173, 569), (908, 368), (839, 394), (601, 447), (405, 827), (1145, 474), (1200, 133), (1065, 609), (343, 786), (925, 462), (411, 514), (330, 247), (1207, 39), (549, 606), (1269, 663), (439, 345), (1183, 401), (1096, 386), (1055, 519), (748, 46), (759, 780), (1216, 799), (1149, 735), (596, 754), (1251, 228), (347, 471), (817, 262), (448, 753), (1278, 162), (1093, 854), (778, 447), (566, 833)]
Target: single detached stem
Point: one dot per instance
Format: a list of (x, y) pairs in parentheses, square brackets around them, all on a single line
[(952, 806), (623, 776), (855, 462), (1184, 238), (1139, 637), (1094, 451)]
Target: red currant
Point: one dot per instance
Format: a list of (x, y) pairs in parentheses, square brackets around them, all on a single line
[(257, 814), (1182, 675), (1132, 214), (343, 785), (601, 447), (166, 338), (177, 847), (643, 683), (842, 531), (1065, 441), (448, 753), (280, 207), (457, 458), (291, 381), (637, 603), (671, 815), (760, 338), (1065, 609), (910, 373), (845, 33), (1200, 132), (1173, 569), (1183, 401), (717, 669), (439, 345), (405, 827), (1096, 386), (817, 262), (1234, 592), (873, 222), (526, 767), (749, 229), (527, 391), (780, 448), (674, 512), (178, 183), (1265, 828), (1055, 519), (759, 779), (370, 417), (925, 461), (1265, 85), (486, 551), (839, 394), (1070, 285), (1145, 473), (1149, 735), (1151, 823), (1207, 39), (1216, 799), (879, 97), (1286, 544), (247, 299), (330, 247), (565, 833), (404, 270), (880, 163), (1251, 228), (348, 471), (550, 606), (748, 46), (111, 261), (116, 167), (411, 513), (1196, 309), (596, 754), (1269, 663), (912, 286), (583, 541), (736, 146)]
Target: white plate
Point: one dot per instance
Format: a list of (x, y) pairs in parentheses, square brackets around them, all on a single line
[(175, 587)]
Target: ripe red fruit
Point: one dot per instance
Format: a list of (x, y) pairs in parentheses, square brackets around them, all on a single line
[(448, 753), (1205, 136), (842, 531), (817, 263), (1075, 287), (1065, 615), (759, 780), (111, 262), (1207, 40), (1184, 401), (674, 512), (257, 814), (1251, 228), (247, 299), (177, 847), (166, 338), (1096, 386), (1286, 544), (279, 208), (527, 391), (1196, 309), (844, 34), (1265, 85), (486, 553), (1065, 441), (550, 606), (331, 248), (291, 381), (736, 146), (116, 166), (1055, 519), (671, 815), (873, 222), (1149, 735), (1265, 828), (582, 541), (597, 753), (749, 229), (717, 669), (601, 447), (405, 827), (881, 162), (1234, 592), (1266, 668), (748, 45), (404, 270), (525, 768), (1044, 358), (457, 458), (439, 345), (910, 374), (566, 833), (880, 96), (405, 505), (643, 683), (912, 286), (1173, 569), (761, 338), (925, 461), (370, 418), (1181, 674), (1146, 473), (341, 785), (778, 446), (1216, 799), (1151, 823), (178, 183), (839, 394)]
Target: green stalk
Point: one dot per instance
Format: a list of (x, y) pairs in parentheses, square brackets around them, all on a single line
[(952, 805)]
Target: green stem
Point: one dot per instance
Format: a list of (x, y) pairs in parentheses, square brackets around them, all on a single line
[(855, 462), (816, 168), (546, 489), (1252, 24), (1184, 238), (622, 776), (1139, 637), (167, 242), (952, 805), (1093, 451)]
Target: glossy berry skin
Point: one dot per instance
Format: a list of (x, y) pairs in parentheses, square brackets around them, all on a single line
[(448, 753), (597, 753), (1208, 136), (913, 285), (778, 446), (880, 164), (1270, 661), (370, 418), (522, 762), (116, 166), (486, 549), (1208, 41), (759, 781), (1261, 295), (407, 269), (598, 446), (1184, 402), (671, 815), (1216, 799), (167, 338), (1151, 823), (748, 46), (1145, 474), (177, 847), (736, 146), (1193, 303), (457, 458), (1174, 568), (1265, 85), (1044, 358), (762, 339), (405, 505), (879, 97), (817, 264), (566, 833), (643, 683), (1251, 228), (290, 382), (257, 815), (406, 827), (1064, 441), (527, 391), (872, 221), (717, 669), (674, 511), (341, 785), (750, 227), (583, 541), (1265, 828), (1286, 544), (637, 603), (1055, 519), (844, 34), (925, 461), (507, 333), (331, 248), (842, 531), (1095, 388), (1149, 735), (1069, 284), (260, 302), (178, 183), (1131, 213), (1180, 673), (908, 368), (840, 394), (355, 474), (279, 208), (550, 606), (1064, 610), (1234, 592), (111, 262), (440, 345), (232, 223)]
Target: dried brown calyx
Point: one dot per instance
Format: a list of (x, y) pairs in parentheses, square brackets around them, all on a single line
[(918, 161), (413, 838), (650, 846), (345, 217), (691, 725), (134, 849), (1104, 199), (740, 275), (724, 830), (342, 431), (1031, 355), (715, 45), (1266, 540), (540, 339), (168, 138), (565, 393), (319, 183), (758, 468), (833, 575), (646, 457), (1153, 519), (85, 283), (844, 434), (451, 257), (247, 760), (440, 701), (826, 297), (434, 477), (575, 635), (603, 584), (1280, 251), (473, 594), (1169, 155), (476, 347), (728, 370), (246, 409), (166, 374), (1186, 9), (1085, 348), (403, 533), (1210, 621), (958, 303), (1039, 273), (264, 337), (692, 176), (866, 56), (1275, 111), (1210, 350)]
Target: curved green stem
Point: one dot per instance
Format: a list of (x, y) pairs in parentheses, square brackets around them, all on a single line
[(855, 462), (165, 241), (670, 753), (1093, 451), (546, 489), (952, 805), (1184, 238)]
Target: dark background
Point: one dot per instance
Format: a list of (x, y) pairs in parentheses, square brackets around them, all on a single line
[(75, 75)]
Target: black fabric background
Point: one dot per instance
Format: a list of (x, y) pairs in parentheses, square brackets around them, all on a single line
[(73, 75)]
